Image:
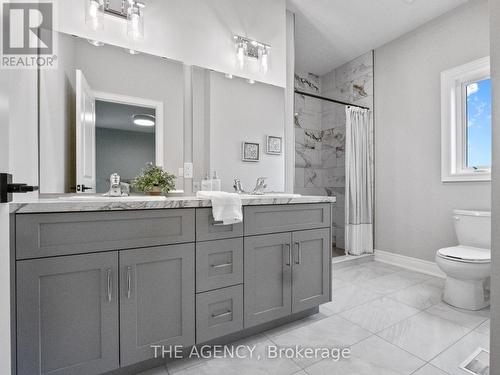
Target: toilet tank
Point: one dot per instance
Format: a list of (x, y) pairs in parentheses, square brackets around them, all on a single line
[(473, 228)]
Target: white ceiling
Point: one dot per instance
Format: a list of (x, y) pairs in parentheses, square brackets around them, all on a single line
[(329, 33), (118, 116)]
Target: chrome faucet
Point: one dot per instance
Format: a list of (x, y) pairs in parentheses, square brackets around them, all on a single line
[(237, 186), (116, 187), (260, 185)]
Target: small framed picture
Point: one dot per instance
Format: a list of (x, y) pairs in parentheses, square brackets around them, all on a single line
[(250, 151), (274, 145)]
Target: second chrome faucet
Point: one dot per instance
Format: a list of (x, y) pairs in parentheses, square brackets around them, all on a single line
[(260, 186)]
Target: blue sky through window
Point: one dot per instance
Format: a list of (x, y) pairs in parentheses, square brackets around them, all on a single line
[(479, 124)]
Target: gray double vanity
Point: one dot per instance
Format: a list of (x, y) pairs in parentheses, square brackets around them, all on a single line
[(98, 283)]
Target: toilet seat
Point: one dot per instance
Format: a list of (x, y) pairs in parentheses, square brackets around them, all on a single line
[(465, 254)]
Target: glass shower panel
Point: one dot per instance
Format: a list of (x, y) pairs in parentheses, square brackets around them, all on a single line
[(320, 156)]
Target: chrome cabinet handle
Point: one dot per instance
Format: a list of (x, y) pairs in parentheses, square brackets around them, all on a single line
[(299, 253), (110, 284), (289, 254), (216, 266), (129, 281), (215, 316)]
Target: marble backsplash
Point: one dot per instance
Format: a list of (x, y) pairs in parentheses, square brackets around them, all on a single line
[(320, 129)]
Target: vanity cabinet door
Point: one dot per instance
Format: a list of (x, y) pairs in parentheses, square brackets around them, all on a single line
[(67, 315), (311, 269), (157, 300), (267, 290)]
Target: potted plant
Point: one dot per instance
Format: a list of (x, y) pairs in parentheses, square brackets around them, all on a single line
[(154, 180)]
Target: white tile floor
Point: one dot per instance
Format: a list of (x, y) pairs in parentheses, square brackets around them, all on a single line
[(392, 319)]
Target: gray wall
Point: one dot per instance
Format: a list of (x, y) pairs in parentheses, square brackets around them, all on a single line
[(122, 152), (413, 206), (495, 292)]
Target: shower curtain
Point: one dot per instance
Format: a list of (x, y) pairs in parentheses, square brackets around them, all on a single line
[(359, 182)]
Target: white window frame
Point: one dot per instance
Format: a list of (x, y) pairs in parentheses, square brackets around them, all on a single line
[(454, 121)]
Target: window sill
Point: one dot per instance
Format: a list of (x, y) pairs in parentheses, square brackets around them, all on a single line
[(473, 177)]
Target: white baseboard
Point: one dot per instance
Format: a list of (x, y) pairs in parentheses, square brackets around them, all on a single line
[(414, 264)]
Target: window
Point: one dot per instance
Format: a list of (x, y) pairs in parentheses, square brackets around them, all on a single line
[(466, 122), (478, 134)]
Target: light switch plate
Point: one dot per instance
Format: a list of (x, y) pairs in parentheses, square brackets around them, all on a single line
[(188, 170)]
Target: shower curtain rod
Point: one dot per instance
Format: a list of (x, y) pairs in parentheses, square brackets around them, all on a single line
[(329, 100)]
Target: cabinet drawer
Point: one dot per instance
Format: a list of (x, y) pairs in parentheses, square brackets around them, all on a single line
[(275, 219), (207, 230), (219, 313), (219, 264), (41, 235)]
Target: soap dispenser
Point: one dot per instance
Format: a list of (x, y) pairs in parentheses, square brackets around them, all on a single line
[(216, 183), (206, 183)]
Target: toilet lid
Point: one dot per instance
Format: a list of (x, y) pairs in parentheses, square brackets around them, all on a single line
[(466, 253)]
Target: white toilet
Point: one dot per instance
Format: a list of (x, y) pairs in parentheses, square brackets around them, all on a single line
[(468, 265)]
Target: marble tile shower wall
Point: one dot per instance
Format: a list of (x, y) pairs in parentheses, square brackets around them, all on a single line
[(320, 131)]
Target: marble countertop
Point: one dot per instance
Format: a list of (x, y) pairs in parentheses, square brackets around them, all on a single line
[(79, 203)]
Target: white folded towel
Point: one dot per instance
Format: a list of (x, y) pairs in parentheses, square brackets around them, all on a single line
[(226, 207)]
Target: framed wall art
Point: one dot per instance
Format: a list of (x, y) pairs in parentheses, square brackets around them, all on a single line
[(274, 145), (250, 152)]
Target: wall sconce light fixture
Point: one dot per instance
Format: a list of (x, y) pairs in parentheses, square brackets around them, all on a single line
[(253, 50), (94, 14), (130, 10)]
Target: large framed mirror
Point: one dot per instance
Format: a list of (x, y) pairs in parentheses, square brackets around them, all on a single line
[(105, 110)]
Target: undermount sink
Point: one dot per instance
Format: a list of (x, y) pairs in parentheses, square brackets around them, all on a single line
[(89, 198), (94, 198), (270, 195)]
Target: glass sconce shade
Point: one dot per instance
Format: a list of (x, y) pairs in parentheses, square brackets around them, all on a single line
[(248, 49), (135, 22), (241, 54), (264, 59), (94, 14)]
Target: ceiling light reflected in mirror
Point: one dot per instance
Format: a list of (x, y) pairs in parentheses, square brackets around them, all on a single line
[(143, 120)]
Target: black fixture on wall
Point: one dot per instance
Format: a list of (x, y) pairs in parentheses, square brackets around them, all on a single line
[(329, 99), (7, 188)]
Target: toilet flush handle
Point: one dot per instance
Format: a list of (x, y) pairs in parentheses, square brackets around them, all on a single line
[(457, 218)]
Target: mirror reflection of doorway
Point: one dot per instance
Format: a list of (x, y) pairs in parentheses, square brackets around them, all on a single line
[(125, 141), (114, 134)]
